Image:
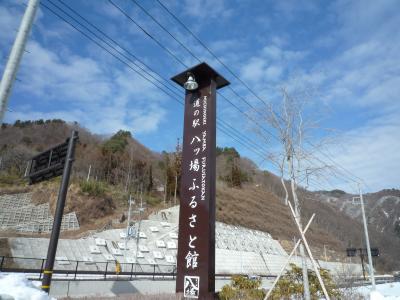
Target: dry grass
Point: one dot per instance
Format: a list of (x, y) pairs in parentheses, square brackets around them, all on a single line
[(256, 208), (4, 247), (10, 190), (259, 209), (251, 206)]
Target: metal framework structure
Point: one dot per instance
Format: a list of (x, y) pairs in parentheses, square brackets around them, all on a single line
[(48, 164)]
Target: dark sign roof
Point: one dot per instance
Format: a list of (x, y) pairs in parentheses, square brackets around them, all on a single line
[(201, 71)]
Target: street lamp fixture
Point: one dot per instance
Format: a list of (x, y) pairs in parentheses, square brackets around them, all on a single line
[(191, 83)]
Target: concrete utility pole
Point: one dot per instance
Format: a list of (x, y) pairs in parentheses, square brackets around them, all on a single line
[(14, 59), (88, 174), (139, 211), (371, 267), (129, 221)]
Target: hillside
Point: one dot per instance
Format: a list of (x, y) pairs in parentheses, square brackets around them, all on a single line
[(254, 207), (382, 208), (246, 196)]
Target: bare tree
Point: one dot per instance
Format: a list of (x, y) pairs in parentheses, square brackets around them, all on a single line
[(177, 166), (294, 161)]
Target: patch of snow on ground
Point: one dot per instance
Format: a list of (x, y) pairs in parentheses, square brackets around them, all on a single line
[(386, 214), (20, 288), (386, 291)]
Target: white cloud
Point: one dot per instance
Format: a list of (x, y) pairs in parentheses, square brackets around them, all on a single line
[(367, 19), (45, 73), (289, 10), (146, 121), (10, 17), (102, 99), (207, 9), (254, 69), (270, 67), (371, 153), (361, 74)]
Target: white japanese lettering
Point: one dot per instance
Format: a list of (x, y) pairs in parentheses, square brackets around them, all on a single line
[(191, 260), (192, 239), (193, 202), (194, 165), (194, 186), (195, 139), (195, 123), (192, 220)]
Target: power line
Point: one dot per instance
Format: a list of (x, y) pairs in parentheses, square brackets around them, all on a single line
[(115, 42), (148, 34), (253, 149), (124, 62), (109, 44), (182, 63), (166, 30), (335, 163), (186, 48), (233, 74), (193, 55), (116, 49), (104, 48), (141, 68), (209, 51), (239, 141)]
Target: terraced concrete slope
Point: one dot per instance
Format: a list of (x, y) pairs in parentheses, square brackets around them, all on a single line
[(19, 214)]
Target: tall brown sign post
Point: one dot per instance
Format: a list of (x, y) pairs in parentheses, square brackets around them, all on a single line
[(196, 244)]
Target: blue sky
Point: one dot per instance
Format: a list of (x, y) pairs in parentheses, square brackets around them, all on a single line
[(345, 54)]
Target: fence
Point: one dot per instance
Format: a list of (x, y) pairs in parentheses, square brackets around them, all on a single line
[(76, 268), (91, 270)]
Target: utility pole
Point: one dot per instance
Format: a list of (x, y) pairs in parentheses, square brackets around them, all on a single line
[(326, 259), (55, 231), (165, 193), (371, 267), (176, 185), (139, 211), (129, 220), (14, 59), (88, 174), (176, 169)]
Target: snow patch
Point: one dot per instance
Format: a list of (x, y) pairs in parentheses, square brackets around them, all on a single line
[(376, 296), (386, 214), (20, 288), (386, 291)]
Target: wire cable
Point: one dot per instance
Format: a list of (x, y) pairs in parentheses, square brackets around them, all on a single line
[(152, 76), (209, 51), (144, 77), (182, 63)]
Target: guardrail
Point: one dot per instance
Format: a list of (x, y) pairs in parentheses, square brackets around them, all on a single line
[(75, 268), (104, 270)]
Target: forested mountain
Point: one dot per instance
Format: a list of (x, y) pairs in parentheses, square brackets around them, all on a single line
[(120, 165)]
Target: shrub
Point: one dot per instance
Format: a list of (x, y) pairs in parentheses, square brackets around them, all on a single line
[(11, 179), (242, 288), (153, 201), (93, 188), (290, 286)]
